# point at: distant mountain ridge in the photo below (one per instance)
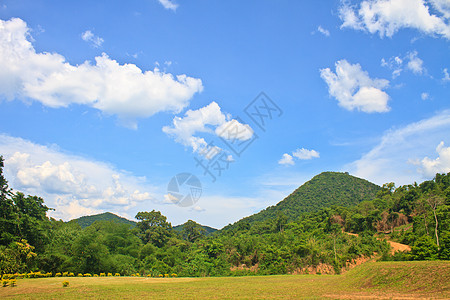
(86, 221)
(323, 190)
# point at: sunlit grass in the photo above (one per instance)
(378, 280)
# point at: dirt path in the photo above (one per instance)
(398, 247)
(394, 245)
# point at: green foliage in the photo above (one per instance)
(65, 283)
(87, 221)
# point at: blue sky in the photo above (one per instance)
(102, 104)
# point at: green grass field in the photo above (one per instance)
(389, 280)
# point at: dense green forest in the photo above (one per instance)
(308, 231)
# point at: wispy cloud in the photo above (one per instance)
(323, 31)
(395, 156)
(169, 4)
(89, 37)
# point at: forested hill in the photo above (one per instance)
(208, 230)
(107, 216)
(323, 190)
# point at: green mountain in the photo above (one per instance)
(323, 190)
(208, 229)
(88, 220)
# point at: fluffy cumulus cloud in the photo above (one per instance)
(354, 89)
(90, 37)
(441, 164)
(208, 119)
(386, 17)
(403, 154)
(286, 159)
(301, 154)
(73, 185)
(169, 4)
(115, 89)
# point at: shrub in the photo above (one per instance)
(160, 275)
(149, 275)
(80, 275)
(65, 283)
(48, 274)
(13, 283)
(117, 274)
(95, 275)
(166, 275)
(87, 275)
(109, 274)
(65, 274)
(102, 274)
(173, 275)
(58, 274)
(71, 274)
(5, 282)
(31, 275)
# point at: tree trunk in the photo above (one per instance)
(436, 228)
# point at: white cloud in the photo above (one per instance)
(386, 17)
(115, 89)
(95, 40)
(425, 96)
(208, 119)
(73, 185)
(412, 61)
(287, 159)
(305, 154)
(168, 4)
(354, 89)
(301, 154)
(415, 64)
(439, 165)
(323, 31)
(395, 157)
(446, 75)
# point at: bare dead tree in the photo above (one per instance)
(434, 201)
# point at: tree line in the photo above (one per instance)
(417, 215)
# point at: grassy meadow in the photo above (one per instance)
(397, 280)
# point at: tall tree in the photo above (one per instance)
(8, 215)
(153, 228)
(192, 231)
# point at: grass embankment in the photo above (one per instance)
(373, 280)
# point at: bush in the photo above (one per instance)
(160, 275)
(65, 283)
(58, 274)
(102, 274)
(174, 275)
(95, 275)
(65, 274)
(87, 275)
(166, 275)
(71, 274)
(117, 274)
(109, 274)
(5, 282)
(80, 275)
(13, 283)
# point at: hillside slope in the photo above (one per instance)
(323, 190)
(86, 221)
